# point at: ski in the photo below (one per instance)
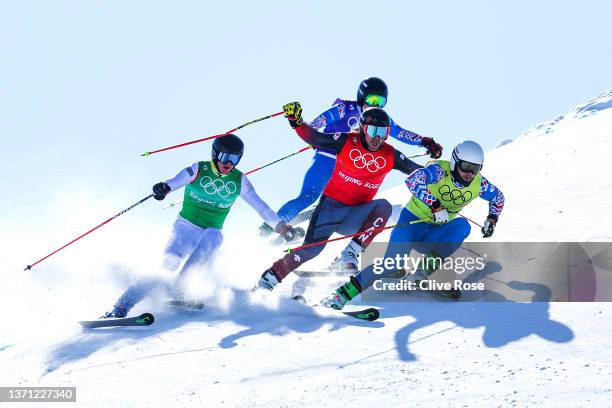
(453, 294)
(369, 314)
(144, 319)
(192, 305)
(324, 272)
(301, 217)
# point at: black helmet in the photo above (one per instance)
(371, 86)
(377, 122)
(228, 148)
(374, 117)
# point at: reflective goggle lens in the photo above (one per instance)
(375, 100)
(377, 131)
(228, 158)
(468, 167)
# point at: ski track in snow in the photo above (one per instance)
(276, 352)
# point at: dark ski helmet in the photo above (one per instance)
(228, 148)
(371, 86)
(375, 122)
(374, 117)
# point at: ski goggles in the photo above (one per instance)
(377, 131)
(468, 167)
(228, 158)
(375, 100)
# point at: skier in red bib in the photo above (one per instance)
(347, 205)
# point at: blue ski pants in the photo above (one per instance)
(314, 182)
(443, 238)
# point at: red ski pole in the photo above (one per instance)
(90, 231)
(352, 235)
(303, 149)
(211, 137)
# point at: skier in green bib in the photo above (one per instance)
(440, 191)
(211, 188)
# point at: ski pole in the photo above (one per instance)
(303, 149)
(470, 220)
(211, 137)
(90, 231)
(289, 250)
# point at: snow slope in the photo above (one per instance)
(274, 352)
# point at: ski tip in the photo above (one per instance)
(145, 319)
(369, 314)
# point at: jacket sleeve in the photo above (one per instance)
(331, 141)
(403, 164)
(405, 136)
(333, 114)
(184, 177)
(249, 195)
(494, 196)
(417, 182)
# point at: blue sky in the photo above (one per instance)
(86, 86)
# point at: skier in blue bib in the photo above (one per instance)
(343, 116)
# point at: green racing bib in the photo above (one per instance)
(208, 198)
(451, 197)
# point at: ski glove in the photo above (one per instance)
(439, 213)
(160, 190)
(440, 216)
(293, 112)
(433, 149)
(489, 226)
(286, 230)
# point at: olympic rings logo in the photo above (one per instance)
(352, 122)
(218, 187)
(367, 161)
(455, 195)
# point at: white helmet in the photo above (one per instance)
(468, 156)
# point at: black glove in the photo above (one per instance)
(433, 149)
(160, 190)
(489, 226)
(293, 112)
(287, 231)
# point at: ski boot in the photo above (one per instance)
(418, 275)
(265, 230)
(267, 281)
(299, 237)
(348, 261)
(118, 312)
(342, 295)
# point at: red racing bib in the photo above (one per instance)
(359, 172)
